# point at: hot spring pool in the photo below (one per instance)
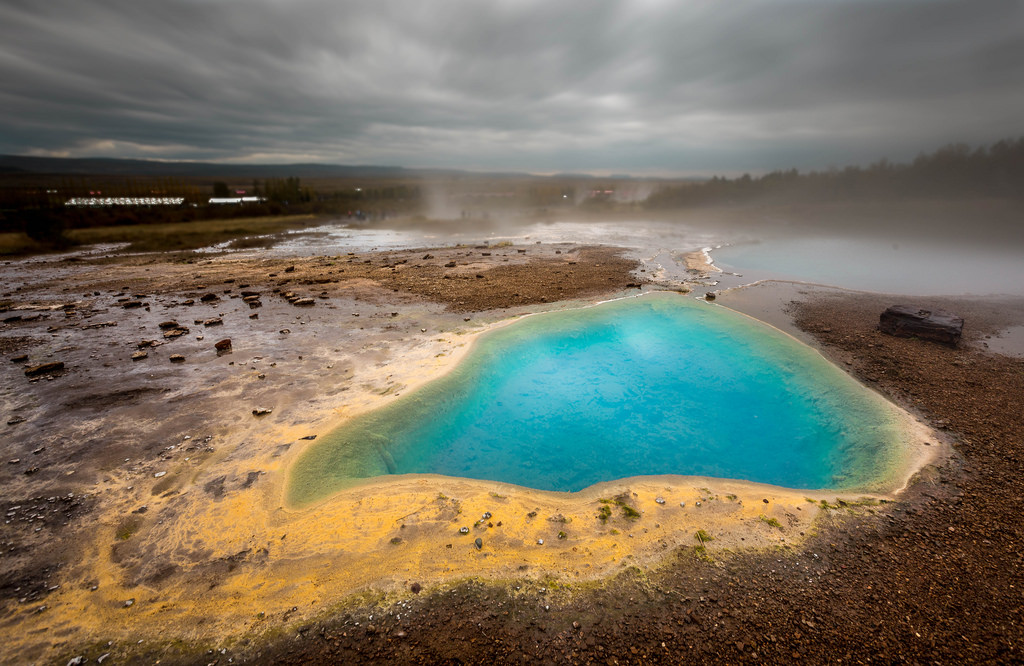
(659, 384)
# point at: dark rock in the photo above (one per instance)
(43, 369)
(206, 298)
(710, 296)
(216, 321)
(132, 304)
(139, 355)
(290, 269)
(223, 345)
(450, 264)
(908, 321)
(168, 324)
(177, 358)
(304, 302)
(479, 543)
(175, 332)
(20, 359)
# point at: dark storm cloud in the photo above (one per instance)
(582, 85)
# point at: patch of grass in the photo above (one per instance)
(605, 512)
(15, 243)
(190, 235)
(504, 243)
(703, 536)
(497, 496)
(126, 529)
(771, 521)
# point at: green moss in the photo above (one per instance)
(703, 536)
(604, 513)
(771, 521)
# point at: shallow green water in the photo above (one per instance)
(660, 384)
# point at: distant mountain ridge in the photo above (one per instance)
(103, 166)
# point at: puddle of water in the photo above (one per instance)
(653, 385)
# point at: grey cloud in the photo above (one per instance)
(581, 85)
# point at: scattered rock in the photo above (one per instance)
(906, 321)
(415, 588)
(463, 530)
(290, 269)
(659, 500)
(43, 369)
(450, 264)
(206, 298)
(710, 296)
(20, 359)
(261, 411)
(139, 355)
(177, 358)
(479, 543)
(159, 474)
(215, 321)
(168, 324)
(302, 302)
(15, 420)
(254, 315)
(223, 345)
(131, 304)
(77, 661)
(175, 333)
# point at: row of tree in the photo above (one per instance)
(955, 171)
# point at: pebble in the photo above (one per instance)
(159, 474)
(540, 542)
(463, 530)
(659, 500)
(479, 543)
(261, 411)
(177, 358)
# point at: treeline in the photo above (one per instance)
(955, 171)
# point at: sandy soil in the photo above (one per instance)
(144, 503)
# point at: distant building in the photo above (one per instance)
(125, 201)
(236, 200)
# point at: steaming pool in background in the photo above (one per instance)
(659, 384)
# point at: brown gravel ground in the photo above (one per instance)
(934, 578)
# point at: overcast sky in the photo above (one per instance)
(641, 86)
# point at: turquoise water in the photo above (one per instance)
(655, 385)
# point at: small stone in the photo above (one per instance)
(77, 661)
(44, 369)
(254, 315)
(682, 504)
(463, 530)
(540, 542)
(19, 359)
(261, 411)
(21, 419)
(175, 333)
(177, 358)
(450, 264)
(285, 331)
(479, 543)
(214, 321)
(131, 304)
(290, 269)
(223, 345)
(206, 298)
(159, 474)
(168, 325)
(710, 296)
(415, 588)
(14, 461)
(130, 602)
(304, 302)
(659, 500)
(139, 355)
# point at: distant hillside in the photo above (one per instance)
(98, 166)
